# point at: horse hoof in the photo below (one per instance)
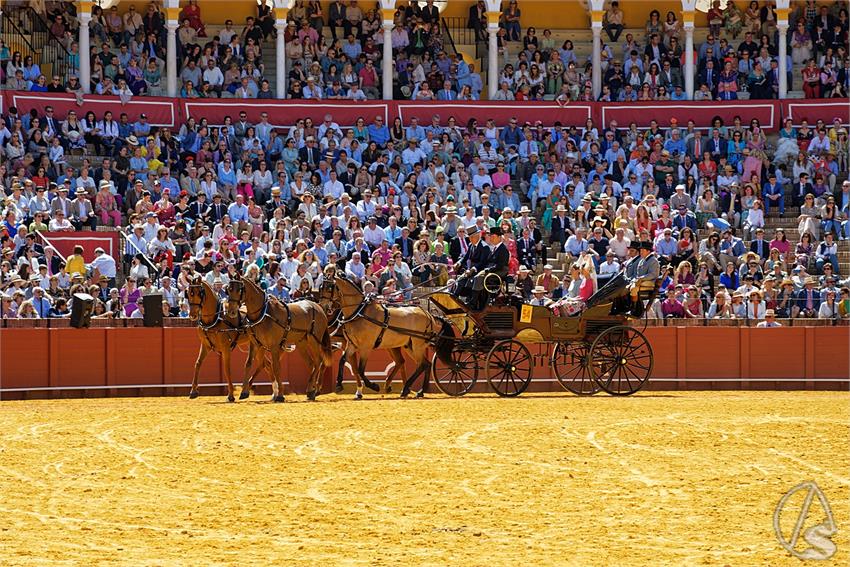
(404, 393)
(371, 385)
(278, 399)
(338, 389)
(244, 395)
(311, 396)
(358, 396)
(389, 389)
(193, 395)
(420, 394)
(231, 398)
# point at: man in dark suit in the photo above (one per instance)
(709, 76)
(760, 246)
(695, 147)
(717, 145)
(473, 261)
(526, 250)
(802, 188)
(406, 244)
(199, 209)
(217, 210)
(477, 20)
(561, 226)
(497, 264)
(310, 153)
(670, 77)
(685, 218)
(807, 301)
(655, 51)
(458, 245)
(275, 203)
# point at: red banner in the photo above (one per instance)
(814, 110)
(64, 242)
(501, 112)
(284, 113)
(702, 113)
(160, 111)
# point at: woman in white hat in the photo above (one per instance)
(585, 269)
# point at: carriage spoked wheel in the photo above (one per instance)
(571, 366)
(509, 365)
(459, 378)
(621, 360)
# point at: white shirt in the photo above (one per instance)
(105, 265)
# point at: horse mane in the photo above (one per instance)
(348, 280)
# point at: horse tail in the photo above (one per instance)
(327, 349)
(444, 345)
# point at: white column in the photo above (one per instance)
(85, 52)
(492, 59)
(387, 62)
(171, 58)
(597, 58)
(689, 60)
(280, 58)
(782, 27)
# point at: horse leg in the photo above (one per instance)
(417, 352)
(277, 385)
(311, 355)
(202, 354)
(340, 373)
(225, 357)
(398, 359)
(361, 378)
(252, 368)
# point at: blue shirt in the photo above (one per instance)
(237, 212)
(378, 135)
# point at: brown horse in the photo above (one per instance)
(369, 325)
(272, 325)
(218, 332)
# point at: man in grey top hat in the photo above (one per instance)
(647, 271)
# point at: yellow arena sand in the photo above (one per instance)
(661, 478)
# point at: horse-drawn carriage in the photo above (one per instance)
(596, 349)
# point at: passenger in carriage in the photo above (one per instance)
(632, 259)
(496, 264)
(573, 305)
(539, 297)
(647, 271)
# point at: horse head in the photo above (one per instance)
(235, 296)
(329, 295)
(196, 294)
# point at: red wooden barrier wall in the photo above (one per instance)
(45, 362)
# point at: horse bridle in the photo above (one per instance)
(202, 294)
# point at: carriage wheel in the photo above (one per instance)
(458, 379)
(509, 365)
(571, 366)
(621, 360)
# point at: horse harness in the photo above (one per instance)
(286, 328)
(210, 327)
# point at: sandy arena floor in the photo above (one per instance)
(657, 479)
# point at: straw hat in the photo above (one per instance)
(769, 313)
(538, 289)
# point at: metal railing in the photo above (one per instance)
(14, 38)
(449, 42)
(456, 26)
(50, 245)
(154, 275)
(26, 31)
(53, 49)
